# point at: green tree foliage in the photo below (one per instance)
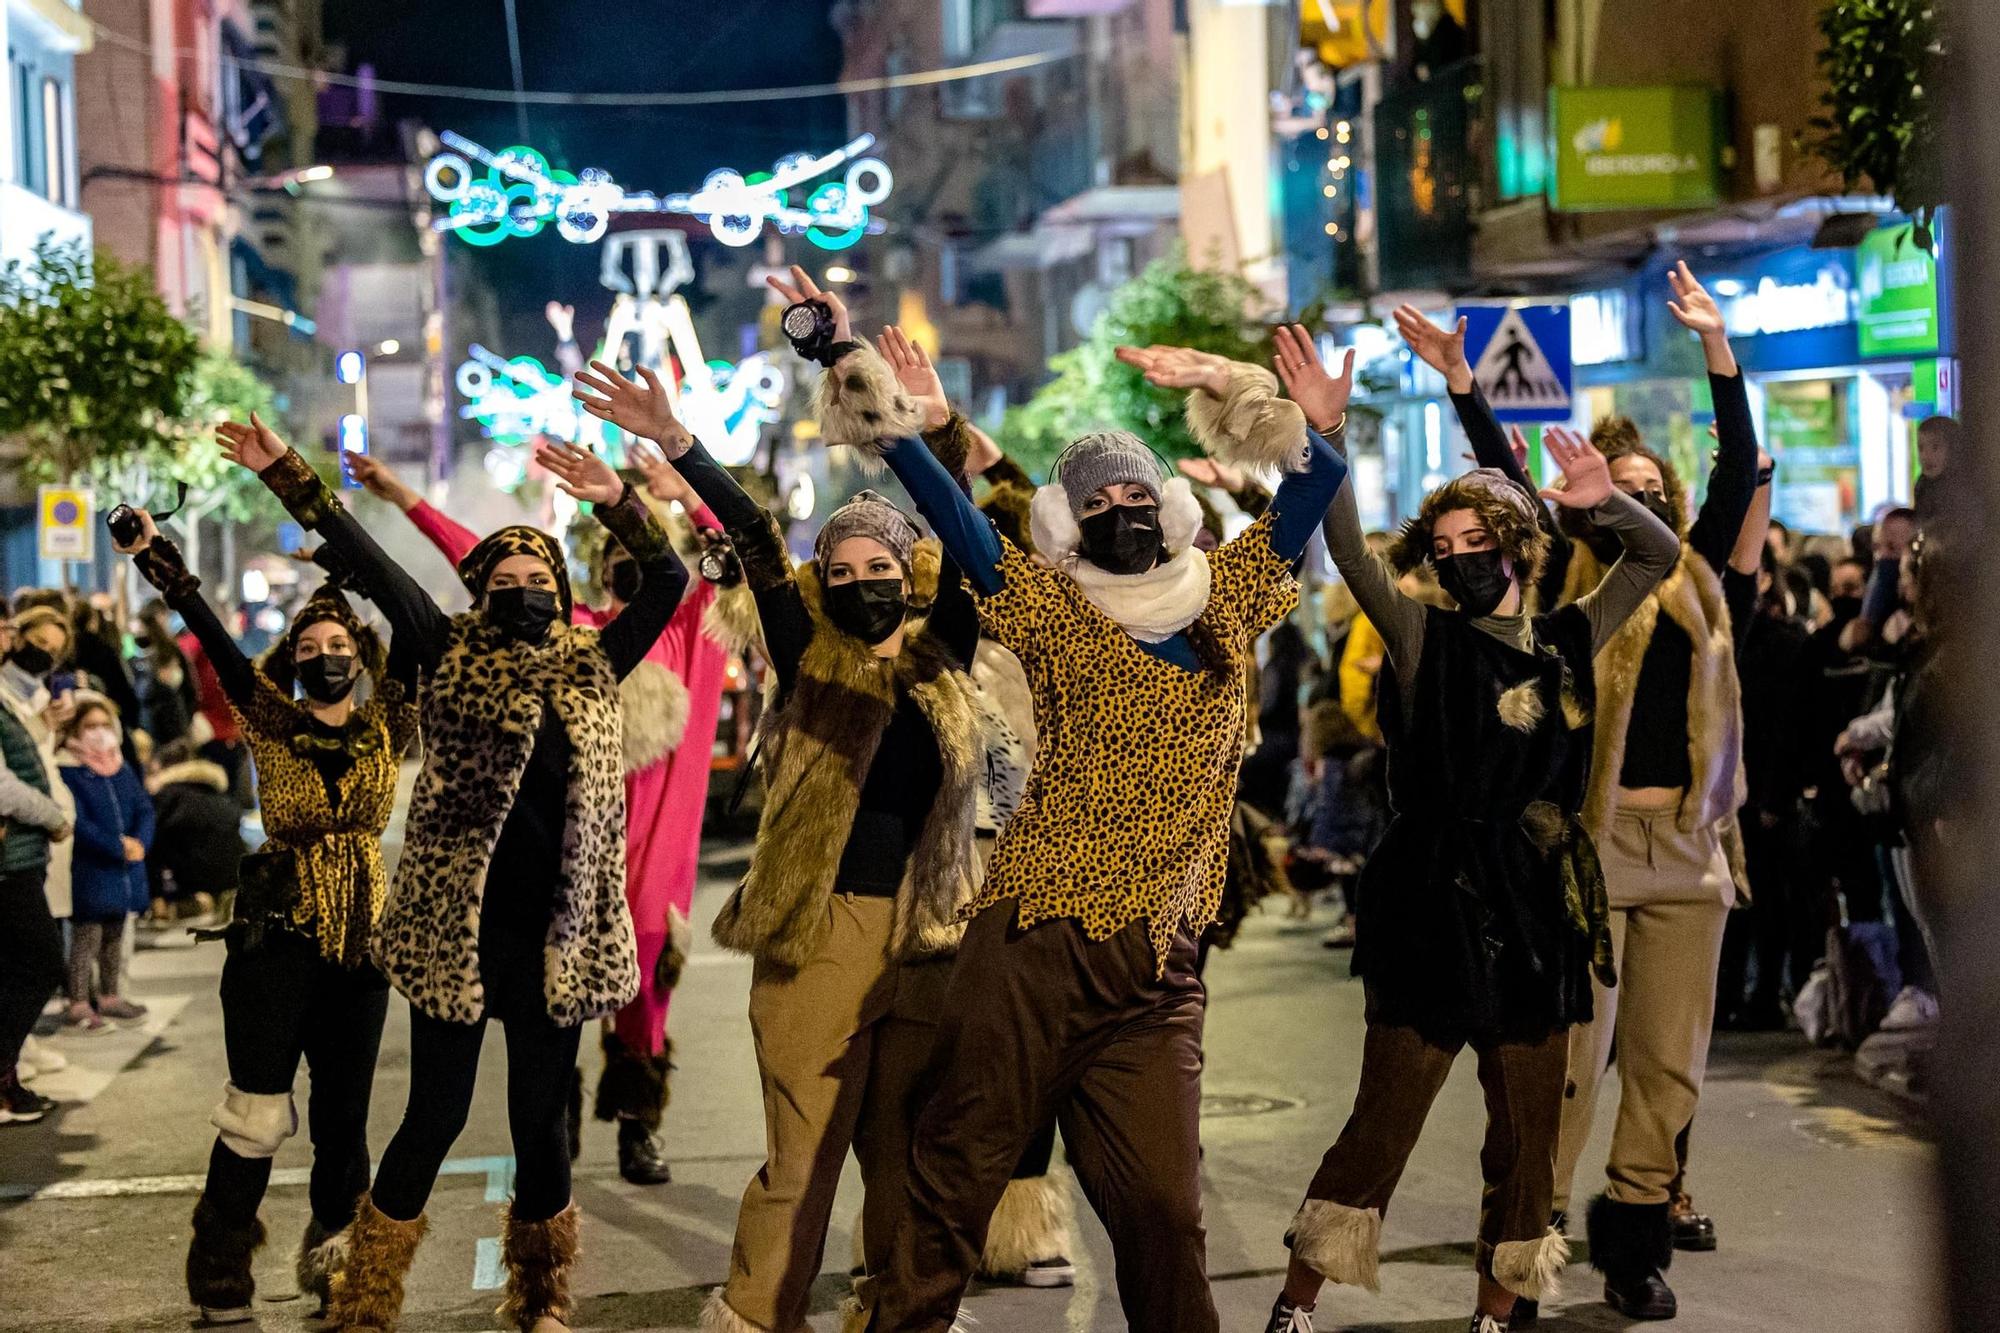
(1170, 302)
(1883, 61)
(94, 368)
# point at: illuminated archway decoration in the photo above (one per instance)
(519, 193)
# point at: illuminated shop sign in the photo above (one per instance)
(1600, 327)
(1898, 287)
(491, 196)
(1786, 302)
(1628, 148)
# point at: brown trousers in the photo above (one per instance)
(1045, 1023)
(843, 1046)
(1401, 1075)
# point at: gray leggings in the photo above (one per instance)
(99, 942)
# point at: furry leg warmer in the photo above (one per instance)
(1532, 1269)
(218, 1259)
(1340, 1243)
(632, 1086)
(718, 1317)
(321, 1255)
(860, 403)
(1628, 1239)
(539, 1258)
(368, 1292)
(1031, 1223)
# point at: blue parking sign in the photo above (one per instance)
(1520, 357)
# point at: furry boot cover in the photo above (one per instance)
(322, 1254)
(1032, 1222)
(860, 403)
(218, 1259)
(1250, 424)
(368, 1292)
(1628, 1240)
(1340, 1243)
(1532, 1269)
(539, 1257)
(718, 1317)
(632, 1086)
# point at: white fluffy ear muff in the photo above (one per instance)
(1180, 515)
(1052, 525)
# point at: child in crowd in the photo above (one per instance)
(114, 828)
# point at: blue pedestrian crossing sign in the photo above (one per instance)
(1521, 358)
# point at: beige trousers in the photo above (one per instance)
(1670, 899)
(843, 1047)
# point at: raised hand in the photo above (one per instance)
(916, 374)
(379, 481)
(1518, 442)
(255, 446)
(1323, 396)
(644, 409)
(1209, 472)
(1586, 475)
(801, 287)
(1440, 349)
(1692, 305)
(562, 318)
(663, 483)
(147, 531)
(1179, 367)
(983, 454)
(581, 474)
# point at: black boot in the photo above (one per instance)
(640, 1158)
(218, 1265)
(1632, 1245)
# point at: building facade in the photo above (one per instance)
(39, 177)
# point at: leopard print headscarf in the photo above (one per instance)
(520, 539)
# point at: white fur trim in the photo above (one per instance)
(1052, 525)
(731, 619)
(1532, 1269)
(717, 1317)
(1180, 515)
(1340, 1243)
(853, 1314)
(653, 713)
(1031, 1223)
(254, 1124)
(192, 772)
(1250, 424)
(859, 403)
(1521, 706)
(316, 1266)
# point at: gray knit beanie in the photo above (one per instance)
(1107, 458)
(868, 515)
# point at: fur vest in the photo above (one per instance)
(1691, 597)
(817, 748)
(481, 711)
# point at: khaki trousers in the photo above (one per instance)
(1670, 896)
(843, 1046)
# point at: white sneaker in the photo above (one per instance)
(1289, 1318)
(1913, 1009)
(39, 1059)
(1486, 1323)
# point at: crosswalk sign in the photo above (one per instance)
(1521, 358)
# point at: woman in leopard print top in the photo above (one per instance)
(510, 895)
(297, 983)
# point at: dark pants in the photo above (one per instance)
(1779, 926)
(282, 1002)
(1401, 1074)
(444, 1066)
(33, 964)
(1044, 1024)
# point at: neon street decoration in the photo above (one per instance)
(519, 194)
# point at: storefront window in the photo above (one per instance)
(1809, 429)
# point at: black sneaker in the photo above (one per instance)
(1289, 1318)
(18, 1106)
(1486, 1323)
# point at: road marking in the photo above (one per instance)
(493, 1168)
(97, 1058)
(486, 1271)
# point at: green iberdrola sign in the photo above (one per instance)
(1634, 148)
(1899, 295)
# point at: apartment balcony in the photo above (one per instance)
(26, 217)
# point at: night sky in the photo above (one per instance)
(663, 45)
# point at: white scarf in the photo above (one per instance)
(1154, 606)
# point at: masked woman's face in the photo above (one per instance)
(521, 571)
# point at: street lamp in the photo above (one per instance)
(351, 367)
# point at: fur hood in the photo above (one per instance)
(193, 773)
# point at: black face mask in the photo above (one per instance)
(1656, 505)
(328, 678)
(1474, 579)
(1845, 609)
(522, 613)
(869, 609)
(623, 579)
(1124, 539)
(33, 659)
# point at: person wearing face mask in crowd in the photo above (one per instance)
(668, 706)
(296, 983)
(1482, 918)
(37, 816)
(869, 752)
(509, 900)
(1666, 781)
(1075, 995)
(114, 827)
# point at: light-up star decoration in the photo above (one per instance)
(519, 194)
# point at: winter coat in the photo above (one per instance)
(104, 886)
(198, 837)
